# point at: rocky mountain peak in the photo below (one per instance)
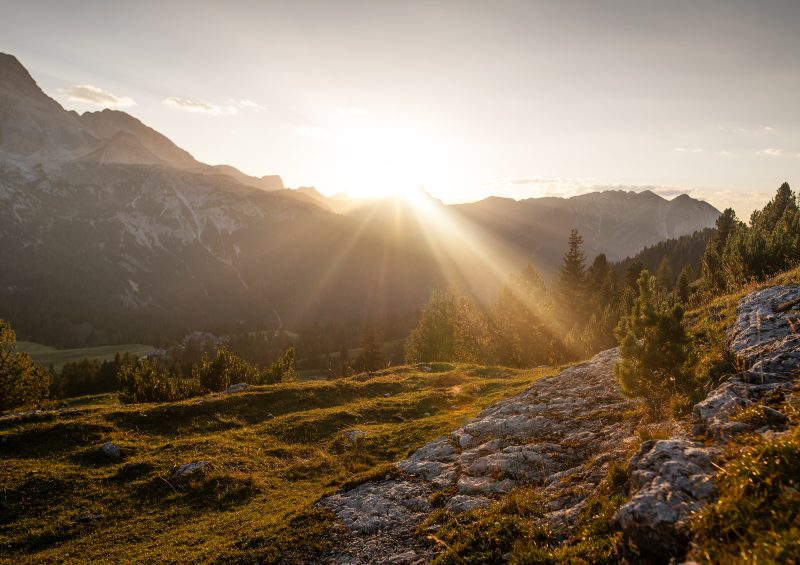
(16, 80)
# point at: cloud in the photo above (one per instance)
(685, 150)
(199, 107)
(772, 152)
(247, 103)
(91, 94)
(311, 131)
(722, 153)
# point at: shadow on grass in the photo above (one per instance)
(46, 441)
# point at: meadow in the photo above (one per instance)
(272, 450)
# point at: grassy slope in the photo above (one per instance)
(274, 451)
(757, 516)
(45, 355)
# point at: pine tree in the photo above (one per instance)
(712, 266)
(450, 329)
(21, 381)
(373, 354)
(664, 274)
(682, 288)
(521, 323)
(571, 282)
(652, 348)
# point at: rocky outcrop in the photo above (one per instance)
(560, 434)
(562, 430)
(672, 478)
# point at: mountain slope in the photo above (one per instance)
(614, 222)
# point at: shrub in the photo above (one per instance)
(147, 382)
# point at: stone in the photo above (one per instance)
(463, 503)
(238, 387)
(190, 468)
(88, 519)
(525, 440)
(354, 435)
(111, 450)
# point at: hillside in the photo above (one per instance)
(565, 471)
(272, 452)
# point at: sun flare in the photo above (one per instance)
(385, 160)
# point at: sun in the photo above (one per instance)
(380, 160)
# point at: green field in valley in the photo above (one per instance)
(45, 355)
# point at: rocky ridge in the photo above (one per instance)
(563, 431)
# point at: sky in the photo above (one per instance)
(464, 99)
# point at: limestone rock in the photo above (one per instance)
(562, 426)
(190, 468)
(238, 387)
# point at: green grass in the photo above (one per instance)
(513, 529)
(45, 355)
(757, 516)
(274, 451)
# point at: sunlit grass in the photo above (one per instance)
(274, 451)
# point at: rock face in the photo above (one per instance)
(672, 478)
(548, 435)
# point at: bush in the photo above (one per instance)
(147, 382)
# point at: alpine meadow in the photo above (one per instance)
(349, 282)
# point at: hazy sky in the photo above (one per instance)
(464, 98)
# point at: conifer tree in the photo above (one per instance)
(21, 381)
(682, 288)
(450, 329)
(521, 323)
(571, 282)
(664, 274)
(652, 348)
(373, 355)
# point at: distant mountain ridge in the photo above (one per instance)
(113, 233)
(615, 222)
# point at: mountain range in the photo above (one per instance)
(111, 232)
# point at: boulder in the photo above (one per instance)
(111, 450)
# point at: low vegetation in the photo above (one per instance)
(273, 451)
(757, 516)
(513, 529)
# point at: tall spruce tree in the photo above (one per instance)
(664, 274)
(571, 282)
